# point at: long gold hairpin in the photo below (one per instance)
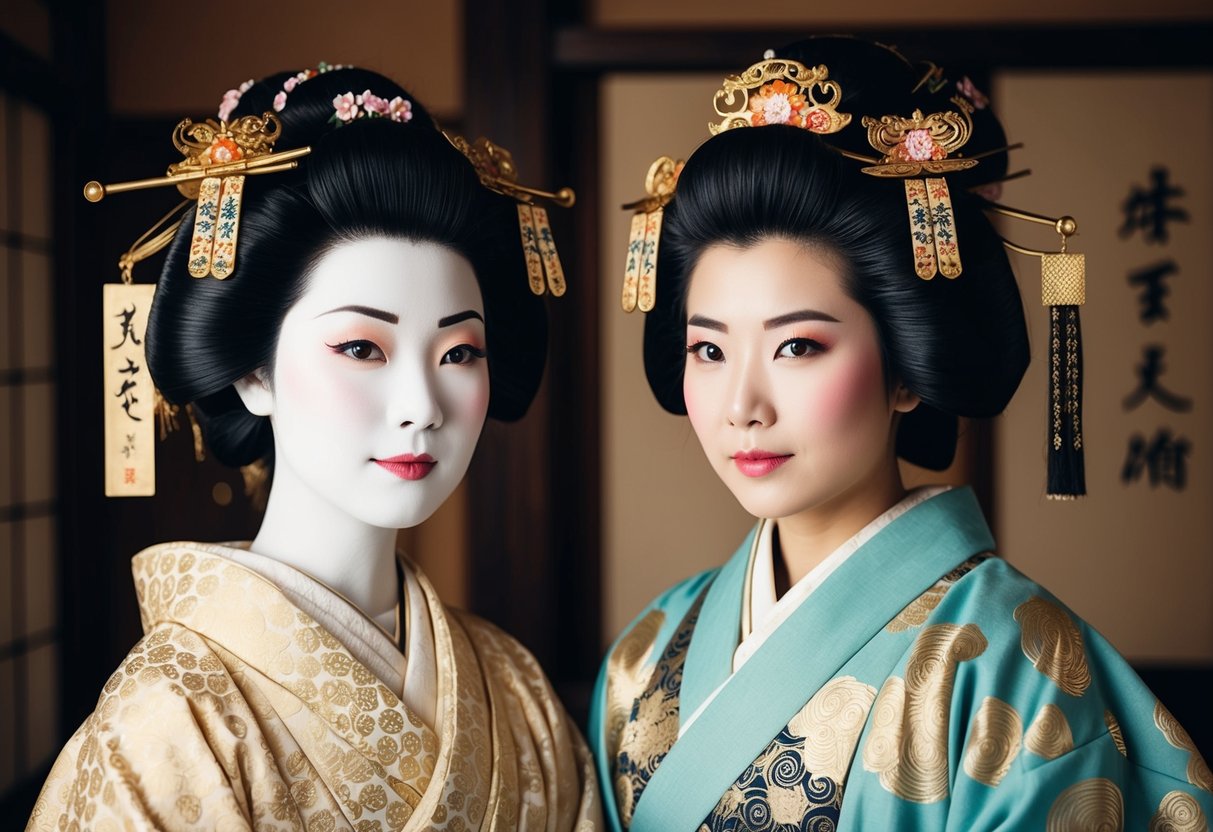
(218, 155)
(495, 167)
(911, 147)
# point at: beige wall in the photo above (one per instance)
(799, 15)
(665, 513)
(417, 42)
(1134, 560)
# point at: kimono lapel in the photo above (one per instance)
(894, 568)
(709, 660)
(464, 773)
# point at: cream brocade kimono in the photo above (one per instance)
(259, 699)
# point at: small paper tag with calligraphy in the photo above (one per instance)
(130, 456)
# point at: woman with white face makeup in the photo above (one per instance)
(311, 679)
(863, 661)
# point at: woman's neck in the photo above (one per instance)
(309, 534)
(802, 541)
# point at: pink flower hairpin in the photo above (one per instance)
(348, 107)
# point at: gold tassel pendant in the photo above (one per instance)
(922, 235)
(943, 224)
(631, 274)
(547, 248)
(530, 247)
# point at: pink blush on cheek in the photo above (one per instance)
(848, 393)
(317, 385)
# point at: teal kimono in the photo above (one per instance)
(925, 684)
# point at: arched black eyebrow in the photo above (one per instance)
(707, 323)
(369, 311)
(451, 320)
(797, 317)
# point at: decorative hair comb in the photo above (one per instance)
(924, 144)
(495, 167)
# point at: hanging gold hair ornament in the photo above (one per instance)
(640, 275)
(495, 167)
(218, 155)
(923, 144)
(1063, 289)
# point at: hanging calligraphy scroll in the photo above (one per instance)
(129, 396)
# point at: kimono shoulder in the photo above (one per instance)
(1007, 710)
(170, 742)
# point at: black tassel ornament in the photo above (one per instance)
(1063, 290)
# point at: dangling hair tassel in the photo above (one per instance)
(1067, 475)
(1063, 290)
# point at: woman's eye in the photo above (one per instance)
(359, 350)
(706, 351)
(798, 348)
(462, 354)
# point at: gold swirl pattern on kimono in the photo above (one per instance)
(1179, 812)
(1198, 770)
(1053, 643)
(626, 676)
(908, 742)
(652, 725)
(1049, 736)
(831, 723)
(917, 611)
(994, 740)
(1118, 736)
(1093, 805)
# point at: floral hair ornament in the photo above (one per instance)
(775, 91)
(914, 146)
(772, 91)
(348, 107)
(495, 167)
(288, 86)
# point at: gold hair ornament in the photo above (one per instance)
(640, 275)
(1063, 290)
(772, 91)
(775, 91)
(922, 144)
(495, 167)
(217, 157)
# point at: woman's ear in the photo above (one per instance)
(903, 400)
(254, 391)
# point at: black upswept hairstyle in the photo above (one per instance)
(372, 177)
(961, 345)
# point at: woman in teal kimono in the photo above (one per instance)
(864, 660)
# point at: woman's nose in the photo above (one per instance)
(749, 399)
(414, 400)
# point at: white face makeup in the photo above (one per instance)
(380, 386)
(784, 384)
